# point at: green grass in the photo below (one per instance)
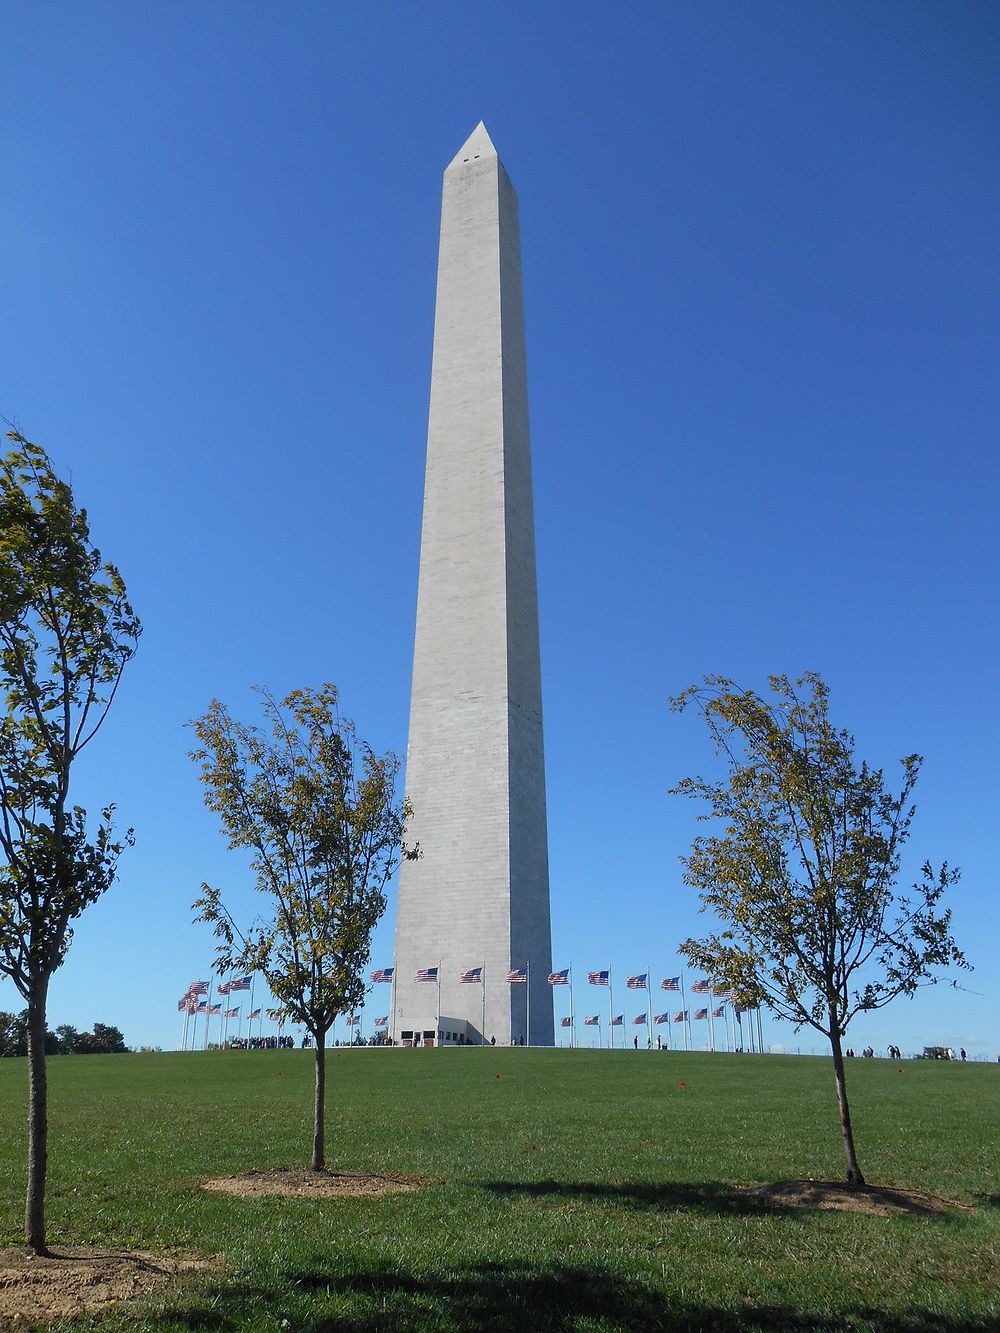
(578, 1191)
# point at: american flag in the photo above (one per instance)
(637, 983)
(183, 1004)
(718, 1013)
(382, 974)
(598, 978)
(618, 1022)
(352, 1020)
(276, 1015)
(701, 987)
(670, 983)
(700, 1013)
(240, 983)
(680, 1016)
(198, 988)
(382, 1022)
(566, 1022)
(639, 1018)
(215, 1008)
(233, 1013)
(739, 1014)
(223, 988)
(517, 974)
(427, 974)
(471, 974)
(202, 1007)
(559, 978)
(661, 1018)
(254, 1013)
(592, 1022)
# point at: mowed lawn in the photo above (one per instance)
(569, 1190)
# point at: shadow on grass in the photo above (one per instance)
(510, 1298)
(671, 1197)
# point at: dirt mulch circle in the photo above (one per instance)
(303, 1184)
(77, 1281)
(875, 1200)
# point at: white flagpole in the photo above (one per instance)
(527, 1003)
(572, 1011)
(711, 1019)
(392, 1005)
(253, 982)
(184, 1026)
(649, 1007)
(437, 1021)
(684, 1013)
(482, 978)
(208, 1015)
(611, 1013)
(760, 1032)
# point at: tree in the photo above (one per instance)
(317, 809)
(803, 874)
(66, 632)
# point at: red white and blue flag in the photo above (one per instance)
(202, 1008)
(680, 1016)
(592, 1022)
(382, 974)
(618, 1022)
(471, 974)
(233, 1013)
(182, 1004)
(427, 974)
(382, 1022)
(700, 1013)
(198, 988)
(639, 1018)
(222, 988)
(566, 1022)
(353, 1020)
(215, 1008)
(559, 978)
(701, 987)
(254, 1013)
(598, 978)
(719, 1013)
(637, 983)
(661, 1018)
(670, 983)
(516, 975)
(240, 983)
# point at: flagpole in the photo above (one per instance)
(684, 1013)
(184, 1027)
(572, 1012)
(649, 1007)
(392, 1004)
(711, 1019)
(760, 1032)
(527, 1002)
(482, 978)
(437, 1021)
(611, 1013)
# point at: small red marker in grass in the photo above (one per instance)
(498, 1075)
(683, 1084)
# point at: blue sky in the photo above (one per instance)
(761, 274)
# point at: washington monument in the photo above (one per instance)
(478, 897)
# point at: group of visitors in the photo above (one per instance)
(261, 1043)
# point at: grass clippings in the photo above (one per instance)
(74, 1281)
(301, 1184)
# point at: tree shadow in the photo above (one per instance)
(988, 1200)
(511, 1298)
(710, 1196)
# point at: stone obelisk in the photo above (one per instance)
(479, 894)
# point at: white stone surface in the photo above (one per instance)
(475, 771)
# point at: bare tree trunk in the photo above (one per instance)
(854, 1176)
(318, 1157)
(38, 1127)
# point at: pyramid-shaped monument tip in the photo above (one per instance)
(477, 145)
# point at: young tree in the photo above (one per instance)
(803, 873)
(66, 633)
(317, 809)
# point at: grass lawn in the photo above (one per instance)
(579, 1190)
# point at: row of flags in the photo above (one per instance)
(518, 975)
(681, 1016)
